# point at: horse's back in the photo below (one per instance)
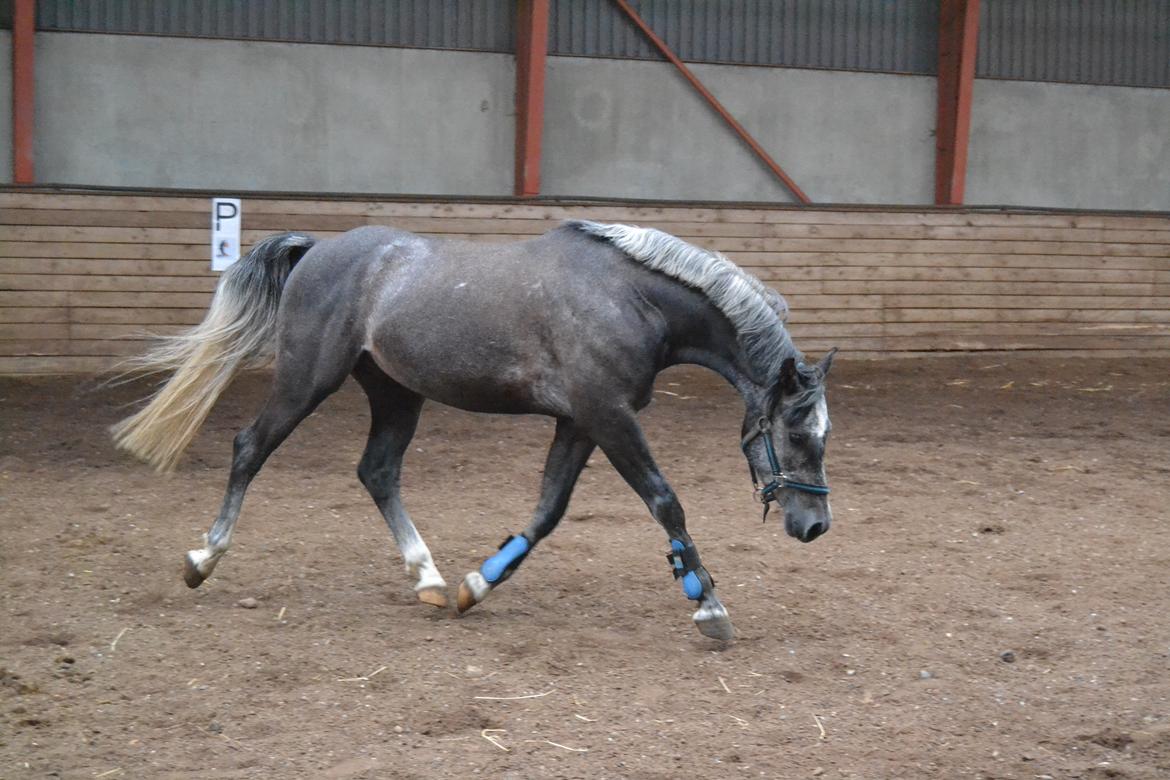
(510, 327)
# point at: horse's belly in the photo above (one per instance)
(473, 337)
(469, 382)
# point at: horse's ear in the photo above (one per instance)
(789, 381)
(826, 362)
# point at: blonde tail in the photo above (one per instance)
(238, 332)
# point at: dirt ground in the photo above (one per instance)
(992, 600)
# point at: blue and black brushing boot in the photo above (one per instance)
(496, 569)
(500, 566)
(685, 565)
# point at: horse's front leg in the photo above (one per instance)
(566, 458)
(624, 444)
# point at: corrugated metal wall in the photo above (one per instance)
(868, 35)
(1122, 42)
(1079, 41)
(865, 35)
(482, 25)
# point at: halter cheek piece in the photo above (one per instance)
(767, 493)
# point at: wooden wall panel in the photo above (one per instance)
(85, 277)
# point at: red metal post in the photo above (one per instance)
(531, 51)
(958, 33)
(24, 16)
(739, 129)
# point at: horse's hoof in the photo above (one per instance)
(436, 597)
(472, 590)
(466, 598)
(715, 623)
(191, 574)
(717, 628)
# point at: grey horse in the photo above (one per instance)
(574, 324)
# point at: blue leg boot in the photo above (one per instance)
(477, 584)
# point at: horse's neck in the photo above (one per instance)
(699, 334)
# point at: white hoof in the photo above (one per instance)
(714, 622)
(436, 597)
(198, 565)
(432, 590)
(472, 590)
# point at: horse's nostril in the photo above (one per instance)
(813, 531)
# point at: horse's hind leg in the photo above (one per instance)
(566, 457)
(291, 400)
(394, 412)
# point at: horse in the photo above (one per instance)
(574, 324)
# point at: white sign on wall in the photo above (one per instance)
(225, 232)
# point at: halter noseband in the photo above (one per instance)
(767, 493)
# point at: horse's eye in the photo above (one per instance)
(797, 438)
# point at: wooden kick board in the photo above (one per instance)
(86, 277)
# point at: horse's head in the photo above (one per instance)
(784, 438)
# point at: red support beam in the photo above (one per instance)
(739, 129)
(958, 33)
(531, 51)
(24, 18)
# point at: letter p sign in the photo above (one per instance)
(225, 232)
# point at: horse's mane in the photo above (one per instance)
(757, 312)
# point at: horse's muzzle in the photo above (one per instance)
(805, 531)
(813, 531)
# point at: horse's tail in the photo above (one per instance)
(239, 331)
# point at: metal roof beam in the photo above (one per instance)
(24, 20)
(531, 52)
(958, 33)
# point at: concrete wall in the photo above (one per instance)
(638, 130)
(5, 107)
(165, 112)
(1064, 145)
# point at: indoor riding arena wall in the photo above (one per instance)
(85, 277)
(282, 117)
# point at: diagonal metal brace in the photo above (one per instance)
(739, 129)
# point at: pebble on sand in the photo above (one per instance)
(248, 603)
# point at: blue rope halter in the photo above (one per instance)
(767, 493)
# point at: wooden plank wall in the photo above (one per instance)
(83, 277)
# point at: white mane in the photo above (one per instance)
(757, 312)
